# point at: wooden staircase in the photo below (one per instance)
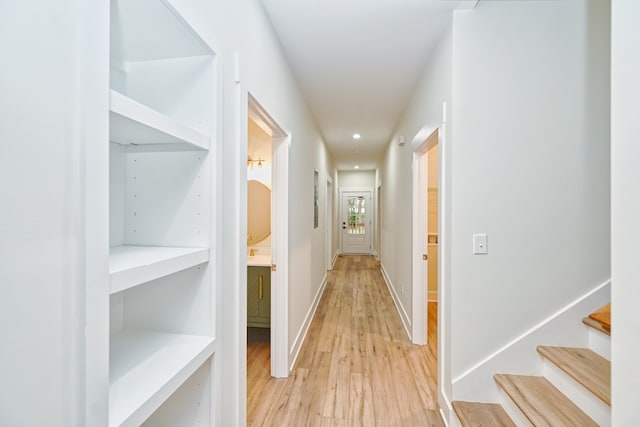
(540, 401)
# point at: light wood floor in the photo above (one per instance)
(356, 367)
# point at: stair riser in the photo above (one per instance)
(453, 421)
(599, 411)
(512, 409)
(600, 343)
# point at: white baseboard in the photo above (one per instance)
(519, 356)
(447, 413)
(432, 296)
(302, 333)
(375, 254)
(335, 257)
(406, 322)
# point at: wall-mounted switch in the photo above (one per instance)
(480, 244)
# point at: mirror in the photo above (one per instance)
(258, 212)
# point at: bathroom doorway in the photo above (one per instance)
(259, 200)
(267, 240)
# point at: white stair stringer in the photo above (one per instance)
(563, 328)
(595, 408)
(600, 342)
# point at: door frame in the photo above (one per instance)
(423, 142)
(328, 227)
(371, 216)
(280, 236)
(378, 235)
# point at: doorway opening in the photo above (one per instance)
(356, 221)
(377, 246)
(425, 237)
(328, 237)
(259, 237)
(267, 239)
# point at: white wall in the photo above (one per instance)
(53, 128)
(625, 207)
(365, 178)
(526, 155)
(530, 164)
(241, 28)
(425, 111)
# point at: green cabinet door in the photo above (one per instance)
(259, 297)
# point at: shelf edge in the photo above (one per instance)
(147, 117)
(143, 273)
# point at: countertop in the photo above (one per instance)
(259, 261)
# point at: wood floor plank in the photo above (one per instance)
(588, 368)
(476, 414)
(337, 393)
(312, 415)
(386, 408)
(290, 409)
(542, 403)
(356, 366)
(435, 420)
(358, 346)
(258, 413)
(427, 386)
(368, 413)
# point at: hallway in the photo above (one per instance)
(356, 366)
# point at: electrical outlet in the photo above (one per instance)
(480, 244)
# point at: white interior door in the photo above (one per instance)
(356, 222)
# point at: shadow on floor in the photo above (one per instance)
(259, 334)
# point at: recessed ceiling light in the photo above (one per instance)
(356, 136)
(356, 167)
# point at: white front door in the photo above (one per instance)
(356, 222)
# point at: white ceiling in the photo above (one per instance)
(357, 63)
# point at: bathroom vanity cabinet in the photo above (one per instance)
(259, 297)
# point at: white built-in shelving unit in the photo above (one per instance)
(162, 218)
(135, 123)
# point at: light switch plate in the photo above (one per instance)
(480, 244)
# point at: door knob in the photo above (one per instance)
(425, 257)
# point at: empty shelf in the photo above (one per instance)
(146, 368)
(130, 266)
(134, 123)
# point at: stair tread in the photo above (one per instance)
(587, 367)
(477, 414)
(595, 325)
(541, 402)
(603, 316)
